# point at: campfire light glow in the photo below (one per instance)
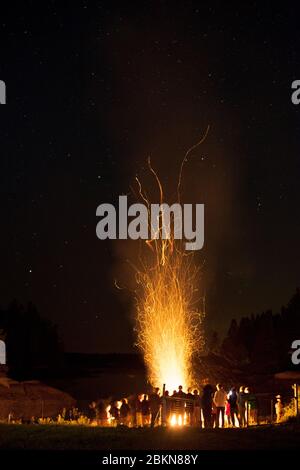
(168, 321)
(178, 420)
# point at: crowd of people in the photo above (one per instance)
(213, 407)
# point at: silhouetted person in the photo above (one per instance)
(241, 403)
(114, 413)
(197, 409)
(145, 411)
(154, 402)
(92, 414)
(173, 402)
(251, 401)
(124, 413)
(213, 415)
(232, 400)
(206, 405)
(189, 406)
(167, 403)
(180, 393)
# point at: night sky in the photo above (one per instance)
(93, 88)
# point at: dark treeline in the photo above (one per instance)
(264, 340)
(260, 342)
(32, 343)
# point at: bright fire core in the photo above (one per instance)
(168, 322)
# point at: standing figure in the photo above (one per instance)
(232, 399)
(241, 402)
(189, 406)
(167, 407)
(206, 405)
(114, 413)
(124, 413)
(197, 409)
(92, 414)
(154, 403)
(145, 411)
(220, 398)
(278, 409)
(251, 403)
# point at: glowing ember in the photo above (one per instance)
(168, 325)
(168, 322)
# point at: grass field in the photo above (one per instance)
(53, 437)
